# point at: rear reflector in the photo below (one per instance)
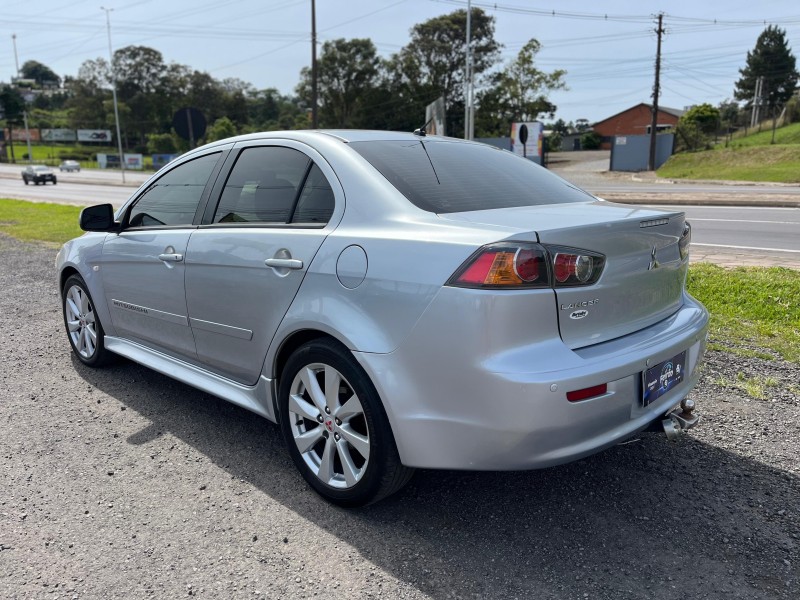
(590, 392)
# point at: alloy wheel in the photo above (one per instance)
(81, 322)
(328, 426)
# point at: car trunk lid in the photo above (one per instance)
(643, 277)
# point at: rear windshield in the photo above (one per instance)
(445, 177)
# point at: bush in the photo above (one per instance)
(590, 141)
(160, 143)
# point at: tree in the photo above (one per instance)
(221, 128)
(433, 63)
(138, 69)
(346, 71)
(729, 114)
(42, 74)
(525, 88)
(13, 105)
(85, 104)
(161, 143)
(520, 93)
(773, 60)
(561, 127)
(704, 116)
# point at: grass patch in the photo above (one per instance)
(40, 222)
(753, 309)
(778, 163)
(789, 134)
(755, 387)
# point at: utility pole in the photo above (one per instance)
(314, 123)
(114, 92)
(468, 78)
(651, 164)
(24, 110)
(755, 114)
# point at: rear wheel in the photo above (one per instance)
(84, 330)
(336, 428)
(25, 179)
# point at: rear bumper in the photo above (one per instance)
(459, 399)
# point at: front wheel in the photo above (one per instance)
(54, 180)
(336, 428)
(25, 179)
(84, 330)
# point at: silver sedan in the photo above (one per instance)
(394, 301)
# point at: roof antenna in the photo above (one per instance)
(421, 131)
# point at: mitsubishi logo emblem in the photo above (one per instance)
(653, 262)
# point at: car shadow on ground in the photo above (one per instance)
(645, 519)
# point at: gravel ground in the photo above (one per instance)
(122, 483)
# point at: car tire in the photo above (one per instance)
(342, 442)
(84, 330)
(25, 179)
(55, 180)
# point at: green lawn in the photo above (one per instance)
(34, 221)
(790, 134)
(778, 163)
(754, 311)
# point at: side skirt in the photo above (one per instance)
(257, 398)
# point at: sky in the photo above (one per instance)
(608, 47)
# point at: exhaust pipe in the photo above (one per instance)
(679, 420)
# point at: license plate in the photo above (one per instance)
(661, 378)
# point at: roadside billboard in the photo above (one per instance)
(102, 136)
(18, 135)
(133, 162)
(59, 135)
(526, 140)
(435, 117)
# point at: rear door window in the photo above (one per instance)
(444, 177)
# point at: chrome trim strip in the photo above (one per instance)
(257, 398)
(151, 312)
(237, 332)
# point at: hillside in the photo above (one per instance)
(750, 158)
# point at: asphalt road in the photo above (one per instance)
(759, 229)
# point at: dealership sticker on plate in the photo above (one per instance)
(661, 378)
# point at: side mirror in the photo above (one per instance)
(98, 218)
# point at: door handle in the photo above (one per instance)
(171, 257)
(284, 263)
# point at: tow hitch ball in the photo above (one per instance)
(680, 419)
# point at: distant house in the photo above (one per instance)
(636, 120)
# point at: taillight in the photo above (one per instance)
(528, 265)
(513, 265)
(686, 239)
(573, 267)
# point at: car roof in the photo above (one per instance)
(345, 135)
